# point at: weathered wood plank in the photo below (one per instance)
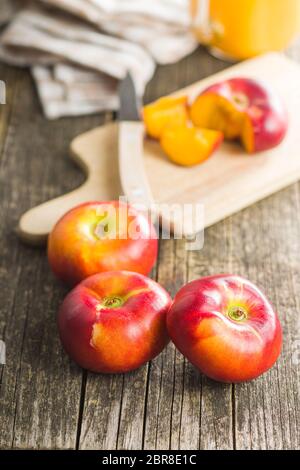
(130, 433)
(40, 389)
(187, 381)
(267, 410)
(184, 409)
(216, 419)
(169, 78)
(267, 251)
(163, 412)
(8, 76)
(114, 407)
(7, 280)
(101, 413)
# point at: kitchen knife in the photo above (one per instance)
(131, 139)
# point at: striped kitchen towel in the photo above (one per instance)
(79, 49)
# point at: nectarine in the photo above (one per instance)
(187, 145)
(226, 327)
(163, 112)
(245, 109)
(114, 322)
(101, 236)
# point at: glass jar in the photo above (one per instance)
(239, 29)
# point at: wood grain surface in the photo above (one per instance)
(46, 401)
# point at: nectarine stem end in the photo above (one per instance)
(237, 313)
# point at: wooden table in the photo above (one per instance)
(46, 401)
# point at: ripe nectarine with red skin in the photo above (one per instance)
(101, 236)
(245, 109)
(226, 327)
(114, 321)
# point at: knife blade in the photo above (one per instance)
(133, 176)
(130, 102)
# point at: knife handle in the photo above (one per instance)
(133, 176)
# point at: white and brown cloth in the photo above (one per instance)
(78, 50)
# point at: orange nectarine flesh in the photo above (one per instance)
(247, 136)
(163, 112)
(187, 145)
(215, 112)
(243, 109)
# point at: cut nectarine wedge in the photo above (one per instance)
(187, 145)
(244, 109)
(164, 111)
(216, 112)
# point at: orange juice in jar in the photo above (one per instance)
(240, 29)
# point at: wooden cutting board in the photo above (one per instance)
(226, 183)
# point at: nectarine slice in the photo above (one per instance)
(164, 111)
(216, 112)
(244, 109)
(187, 145)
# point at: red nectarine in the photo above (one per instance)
(114, 321)
(101, 236)
(226, 327)
(242, 108)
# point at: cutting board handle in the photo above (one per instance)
(35, 224)
(96, 153)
